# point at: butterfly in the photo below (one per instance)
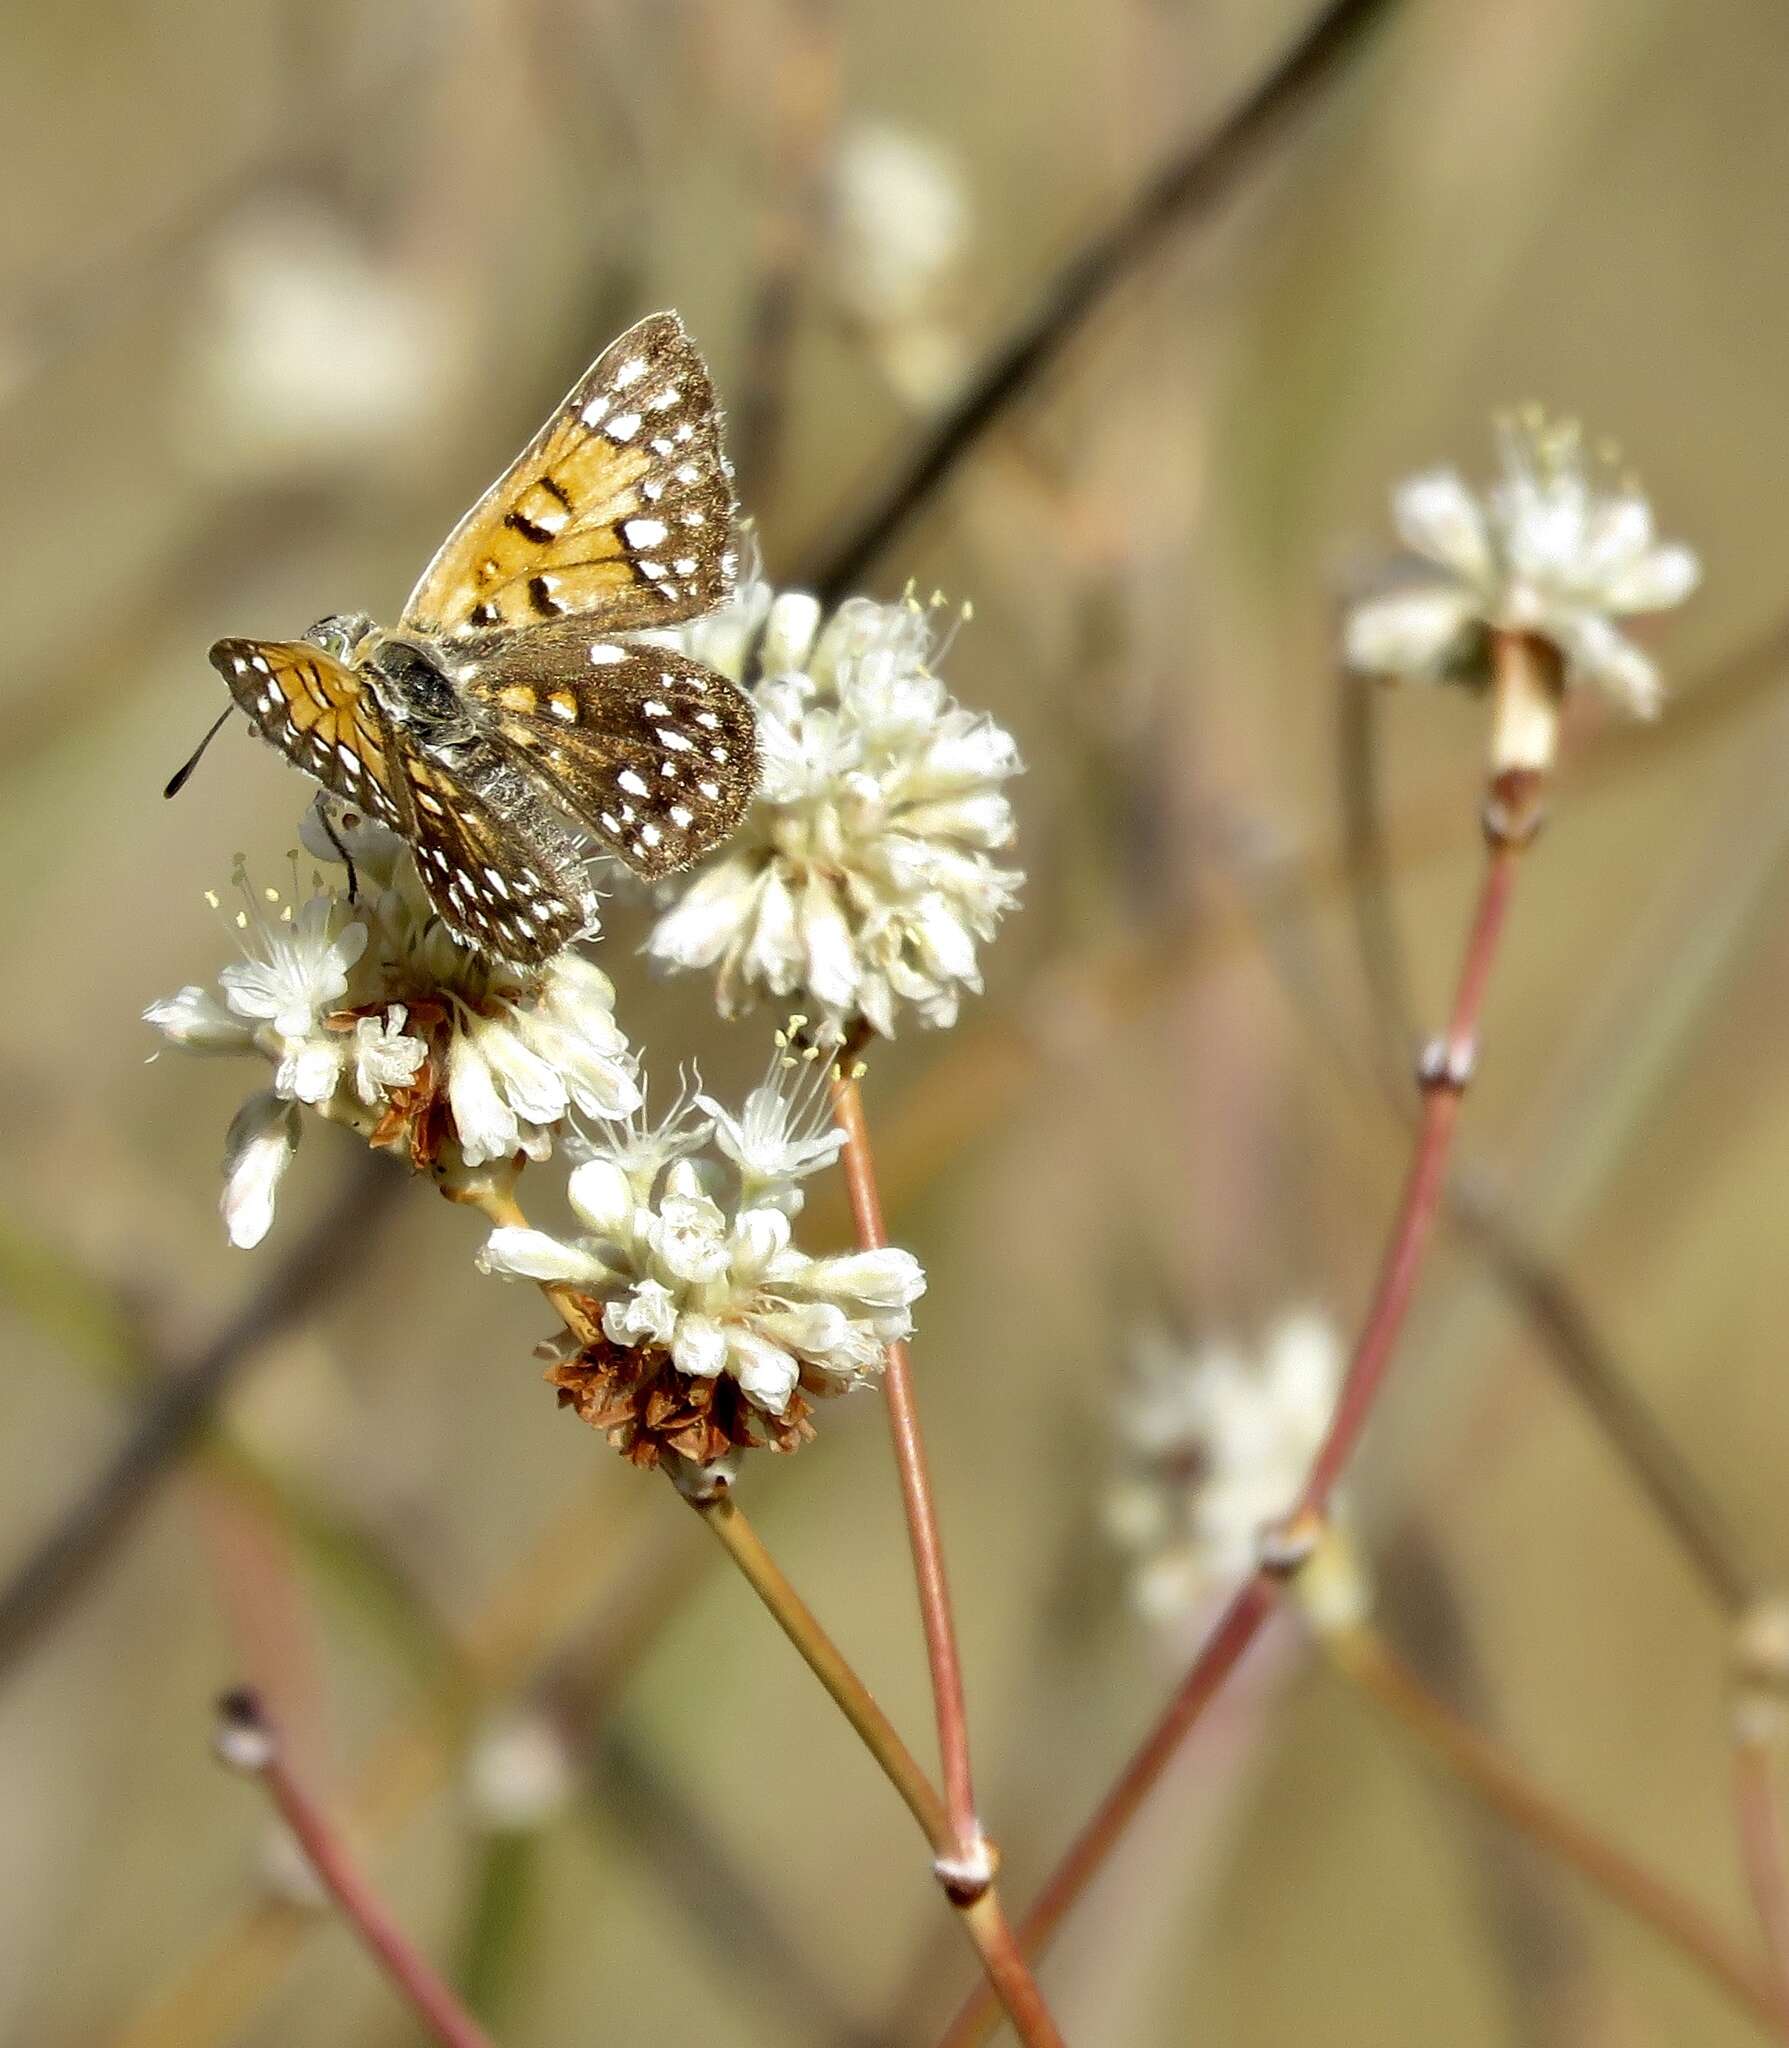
(505, 707)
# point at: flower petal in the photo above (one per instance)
(515, 1254)
(262, 1139)
(1440, 518)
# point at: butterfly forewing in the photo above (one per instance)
(319, 714)
(644, 746)
(504, 874)
(620, 509)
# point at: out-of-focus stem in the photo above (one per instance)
(1758, 1812)
(1502, 1785)
(247, 1741)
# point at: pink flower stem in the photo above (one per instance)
(247, 1741)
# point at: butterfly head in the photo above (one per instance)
(341, 634)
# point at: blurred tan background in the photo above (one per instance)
(283, 286)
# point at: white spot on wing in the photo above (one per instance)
(623, 427)
(644, 533)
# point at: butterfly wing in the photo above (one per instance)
(504, 874)
(319, 714)
(620, 508)
(647, 749)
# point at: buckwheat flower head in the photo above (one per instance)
(1558, 547)
(713, 1331)
(1214, 1448)
(861, 881)
(371, 1013)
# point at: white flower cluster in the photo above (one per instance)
(1215, 1447)
(861, 880)
(370, 1012)
(1546, 550)
(713, 1322)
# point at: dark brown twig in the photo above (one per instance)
(1201, 175)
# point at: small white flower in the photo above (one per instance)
(1215, 1448)
(384, 1058)
(900, 219)
(520, 1775)
(861, 880)
(785, 1131)
(700, 1289)
(308, 350)
(369, 1011)
(196, 1021)
(259, 1148)
(296, 972)
(900, 231)
(1549, 549)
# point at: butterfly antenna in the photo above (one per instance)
(177, 781)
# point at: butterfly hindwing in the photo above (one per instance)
(320, 715)
(620, 509)
(504, 874)
(642, 745)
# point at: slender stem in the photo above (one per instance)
(1758, 1812)
(822, 1656)
(1222, 1651)
(1446, 1069)
(1007, 1970)
(1502, 1785)
(979, 1909)
(1576, 1349)
(963, 1862)
(916, 1497)
(247, 1741)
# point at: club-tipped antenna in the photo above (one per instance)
(177, 781)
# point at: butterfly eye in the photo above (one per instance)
(340, 633)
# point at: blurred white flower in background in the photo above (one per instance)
(520, 1774)
(1557, 547)
(372, 1013)
(307, 351)
(900, 231)
(716, 1329)
(1214, 1448)
(861, 881)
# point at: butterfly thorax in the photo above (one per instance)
(416, 696)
